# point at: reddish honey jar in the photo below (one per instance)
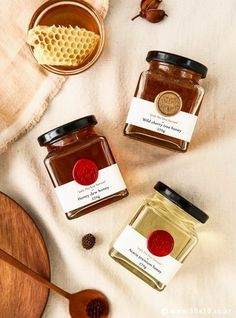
(167, 101)
(82, 168)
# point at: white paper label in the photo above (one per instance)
(144, 114)
(133, 246)
(72, 195)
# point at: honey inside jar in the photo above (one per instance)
(71, 14)
(167, 101)
(82, 168)
(159, 237)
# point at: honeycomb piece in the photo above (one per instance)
(60, 45)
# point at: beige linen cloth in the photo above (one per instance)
(26, 88)
(206, 174)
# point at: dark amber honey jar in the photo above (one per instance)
(82, 168)
(167, 101)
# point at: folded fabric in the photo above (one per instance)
(26, 89)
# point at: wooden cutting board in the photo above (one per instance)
(21, 297)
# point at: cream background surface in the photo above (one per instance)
(206, 174)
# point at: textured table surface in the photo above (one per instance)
(206, 174)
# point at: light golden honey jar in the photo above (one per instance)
(159, 237)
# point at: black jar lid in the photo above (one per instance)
(68, 128)
(178, 60)
(181, 202)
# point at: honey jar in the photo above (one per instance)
(159, 237)
(82, 167)
(167, 101)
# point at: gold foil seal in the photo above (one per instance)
(169, 103)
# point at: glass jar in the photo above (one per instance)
(71, 13)
(159, 237)
(167, 101)
(82, 167)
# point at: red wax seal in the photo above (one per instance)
(160, 243)
(85, 172)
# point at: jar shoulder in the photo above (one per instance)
(160, 76)
(157, 212)
(75, 146)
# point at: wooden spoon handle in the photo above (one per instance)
(23, 268)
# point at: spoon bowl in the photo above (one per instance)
(80, 301)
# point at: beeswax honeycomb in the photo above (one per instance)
(60, 45)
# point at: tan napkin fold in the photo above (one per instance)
(25, 88)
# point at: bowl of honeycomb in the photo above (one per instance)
(66, 37)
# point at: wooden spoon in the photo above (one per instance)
(78, 302)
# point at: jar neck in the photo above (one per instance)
(174, 71)
(172, 211)
(77, 136)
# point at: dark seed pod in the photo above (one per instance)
(155, 16)
(149, 4)
(150, 11)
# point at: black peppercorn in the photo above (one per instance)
(88, 241)
(95, 308)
